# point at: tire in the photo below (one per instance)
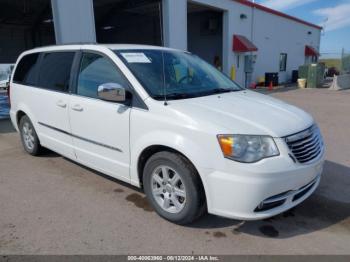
(183, 188)
(29, 138)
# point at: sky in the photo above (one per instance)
(332, 15)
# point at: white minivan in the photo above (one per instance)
(170, 123)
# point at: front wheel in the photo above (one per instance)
(173, 187)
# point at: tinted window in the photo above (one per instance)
(26, 70)
(94, 71)
(55, 71)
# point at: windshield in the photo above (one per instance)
(175, 74)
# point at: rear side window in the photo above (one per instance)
(26, 70)
(55, 71)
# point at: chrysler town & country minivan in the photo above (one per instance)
(170, 123)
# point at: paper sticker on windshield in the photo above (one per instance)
(136, 58)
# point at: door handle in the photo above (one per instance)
(62, 104)
(77, 108)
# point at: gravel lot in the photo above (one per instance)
(50, 205)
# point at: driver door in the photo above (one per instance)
(100, 128)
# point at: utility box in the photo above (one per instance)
(271, 78)
(303, 71)
(313, 73)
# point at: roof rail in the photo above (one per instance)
(65, 44)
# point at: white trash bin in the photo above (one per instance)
(302, 83)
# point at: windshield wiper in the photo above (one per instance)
(174, 96)
(221, 90)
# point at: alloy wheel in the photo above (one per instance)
(168, 189)
(28, 136)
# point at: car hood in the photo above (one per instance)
(245, 112)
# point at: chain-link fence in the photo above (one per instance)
(345, 62)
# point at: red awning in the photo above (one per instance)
(242, 44)
(310, 51)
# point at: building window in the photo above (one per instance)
(283, 62)
(237, 61)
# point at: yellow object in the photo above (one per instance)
(226, 144)
(233, 73)
(261, 79)
(301, 82)
(177, 74)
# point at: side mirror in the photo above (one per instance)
(112, 92)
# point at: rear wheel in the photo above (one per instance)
(173, 187)
(30, 140)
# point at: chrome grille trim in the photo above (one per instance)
(293, 195)
(313, 148)
(312, 145)
(305, 142)
(306, 145)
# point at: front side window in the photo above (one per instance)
(96, 70)
(283, 62)
(55, 71)
(26, 70)
(175, 74)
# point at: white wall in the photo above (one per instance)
(272, 35)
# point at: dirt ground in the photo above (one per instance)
(50, 205)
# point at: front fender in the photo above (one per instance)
(161, 138)
(176, 141)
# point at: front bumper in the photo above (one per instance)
(260, 190)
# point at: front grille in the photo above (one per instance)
(306, 145)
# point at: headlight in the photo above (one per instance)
(247, 148)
